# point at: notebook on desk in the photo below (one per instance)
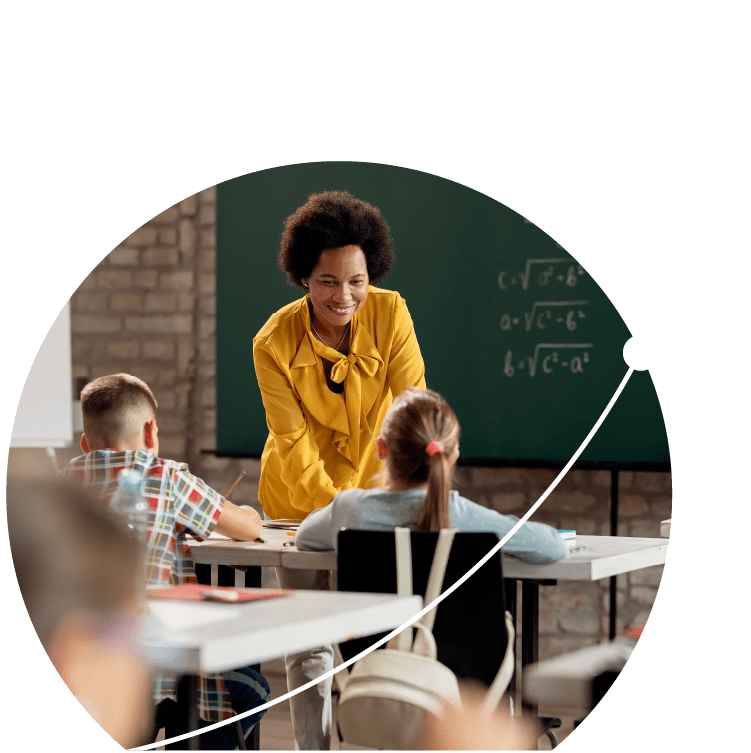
(199, 592)
(569, 536)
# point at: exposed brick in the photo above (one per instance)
(645, 528)
(632, 505)
(188, 238)
(166, 377)
(113, 279)
(207, 305)
(209, 419)
(167, 401)
(124, 348)
(161, 323)
(208, 195)
(207, 370)
(573, 501)
(160, 256)
(172, 447)
(208, 239)
(644, 594)
(648, 576)
(88, 301)
(189, 206)
(167, 217)
(186, 353)
(186, 301)
(207, 215)
(207, 259)
(581, 621)
(508, 502)
(653, 482)
(124, 256)
(142, 237)
(160, 302)
(167, 236)
(179, 280)
(89, 283)
(148, 279)
(169, 423)
(125, 301)
(206, 327)
(207, 283)
(208, 396)
(89, 323)
(662, 506)
(162, 350)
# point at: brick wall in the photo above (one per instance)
(149, 309)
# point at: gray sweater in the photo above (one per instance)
(377, 509)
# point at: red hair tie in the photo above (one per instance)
(433, 448)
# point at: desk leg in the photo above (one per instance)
(530, 621)
(253, 580)
(187, 715)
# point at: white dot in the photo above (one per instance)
(638, 352)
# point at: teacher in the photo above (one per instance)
(328, 366)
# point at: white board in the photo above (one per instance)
(45, 417)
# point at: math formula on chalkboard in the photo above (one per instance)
(549, 319)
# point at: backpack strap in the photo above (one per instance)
(404, 578)
(437, 573)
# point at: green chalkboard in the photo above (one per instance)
(515, 334)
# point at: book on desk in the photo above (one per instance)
(569, 536)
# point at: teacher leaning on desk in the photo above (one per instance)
(328, 366)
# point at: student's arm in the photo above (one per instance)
(406, 367)
(318, 531)
(302, 468)
(537, 543)
(239, 523)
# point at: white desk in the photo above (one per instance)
(198, 637)
(565, 682)
(603, 557)
(192, 637)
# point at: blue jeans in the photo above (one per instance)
(247, 689)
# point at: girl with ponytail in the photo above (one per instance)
(419, 446)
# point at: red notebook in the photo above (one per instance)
(199, 592)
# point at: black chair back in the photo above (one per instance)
(470, 628)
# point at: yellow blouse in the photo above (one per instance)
(321, 442)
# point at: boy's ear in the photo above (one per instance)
(149, 432)
(84, 444)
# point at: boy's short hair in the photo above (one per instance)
(110, 403)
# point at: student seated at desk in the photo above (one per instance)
(120, 432)
(419, 444)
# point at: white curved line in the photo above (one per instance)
(705, 175)
(571, 111)
(582, 447)
(446, 593)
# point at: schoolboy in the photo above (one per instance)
(120, 432)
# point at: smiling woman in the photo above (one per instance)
(328, 367)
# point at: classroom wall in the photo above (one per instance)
(149, 309)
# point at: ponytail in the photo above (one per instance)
(421, 433)
(435, 512)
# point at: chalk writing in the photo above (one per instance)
(549, 357)
(543, 273)
(547, 313)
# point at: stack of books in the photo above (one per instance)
(569, 536)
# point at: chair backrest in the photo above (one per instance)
(470, 629)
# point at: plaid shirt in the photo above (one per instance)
(179, 503)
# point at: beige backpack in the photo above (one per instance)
(389, 693)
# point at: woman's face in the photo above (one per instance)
(338, 286)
